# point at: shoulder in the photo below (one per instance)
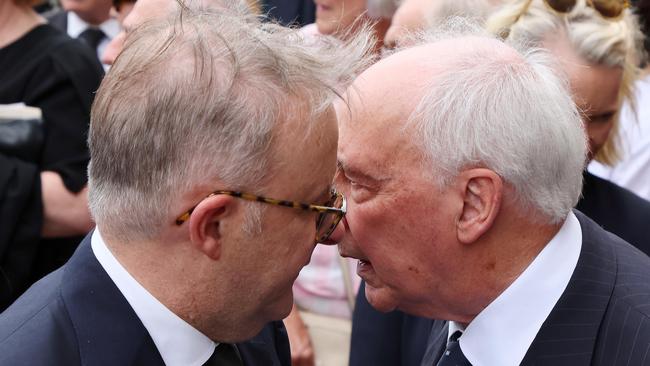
(36, 329)
(616, 196)
(617, 210)
(58, 18)
(74, 58)
(269, 347)
(53, 53)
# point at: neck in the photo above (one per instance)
(502, 256)
(16, 21)
(173, 273)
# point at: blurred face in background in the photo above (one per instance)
(141, 11)
(409, 17)
(91, 11)
(337, 15)
(595, 89)
(122, 10)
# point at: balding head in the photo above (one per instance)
(462, 100)
(459, 140)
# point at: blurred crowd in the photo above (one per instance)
(55, 55)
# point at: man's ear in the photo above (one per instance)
(206, 231)
(482, 191)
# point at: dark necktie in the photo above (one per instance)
(224, 355)
(92, 37)
(453, 355)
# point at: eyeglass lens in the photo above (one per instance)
(327, 221)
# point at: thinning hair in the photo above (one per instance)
(609, 42)
(506, 110)
(202, 97)
(477, 10)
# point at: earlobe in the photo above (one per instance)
(482, 193)
(205, 228)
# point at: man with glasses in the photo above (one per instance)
(460, 191)
(213, 146)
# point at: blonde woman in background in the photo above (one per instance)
(633, 171)
(598, 46)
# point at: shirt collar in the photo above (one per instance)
(178, 342)
(502, 333)
(76, 25)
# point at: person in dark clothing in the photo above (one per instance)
(290, 12)
(44, 68)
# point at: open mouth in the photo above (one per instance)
(363, 266)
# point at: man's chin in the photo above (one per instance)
(281, 306)
(380, 299)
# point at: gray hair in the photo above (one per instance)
(477, 10)
(198, 98)
(509, 113)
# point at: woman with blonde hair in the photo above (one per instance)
(598, 45)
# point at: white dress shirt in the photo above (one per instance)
(76, 26)
(502, 333)
(633, 171)
(178, 342)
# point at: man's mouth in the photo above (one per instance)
(363, 266)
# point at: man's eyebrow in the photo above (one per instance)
(354, 172)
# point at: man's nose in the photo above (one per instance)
(338, 233)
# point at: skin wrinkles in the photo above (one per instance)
(410, 230)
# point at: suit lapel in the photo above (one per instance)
(437, 343)
(568, 336)
(268, 348)
(108, 330)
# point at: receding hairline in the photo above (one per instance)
(417, 68)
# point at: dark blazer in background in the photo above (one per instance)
(617, 210)
(77, 316)
(58, 19)
(290, 12)
(386, 339)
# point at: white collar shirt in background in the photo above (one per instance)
(111, 28)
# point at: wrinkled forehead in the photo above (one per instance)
(381, 102)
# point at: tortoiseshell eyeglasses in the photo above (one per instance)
(329, 215)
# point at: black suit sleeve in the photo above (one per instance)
(21, 221)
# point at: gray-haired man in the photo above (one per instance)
(460, 192)
(200, 132)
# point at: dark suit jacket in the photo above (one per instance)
(77, 316)
(290, 12)
(602, 318)
(617, 210)
(58, 19)
(386, 339)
